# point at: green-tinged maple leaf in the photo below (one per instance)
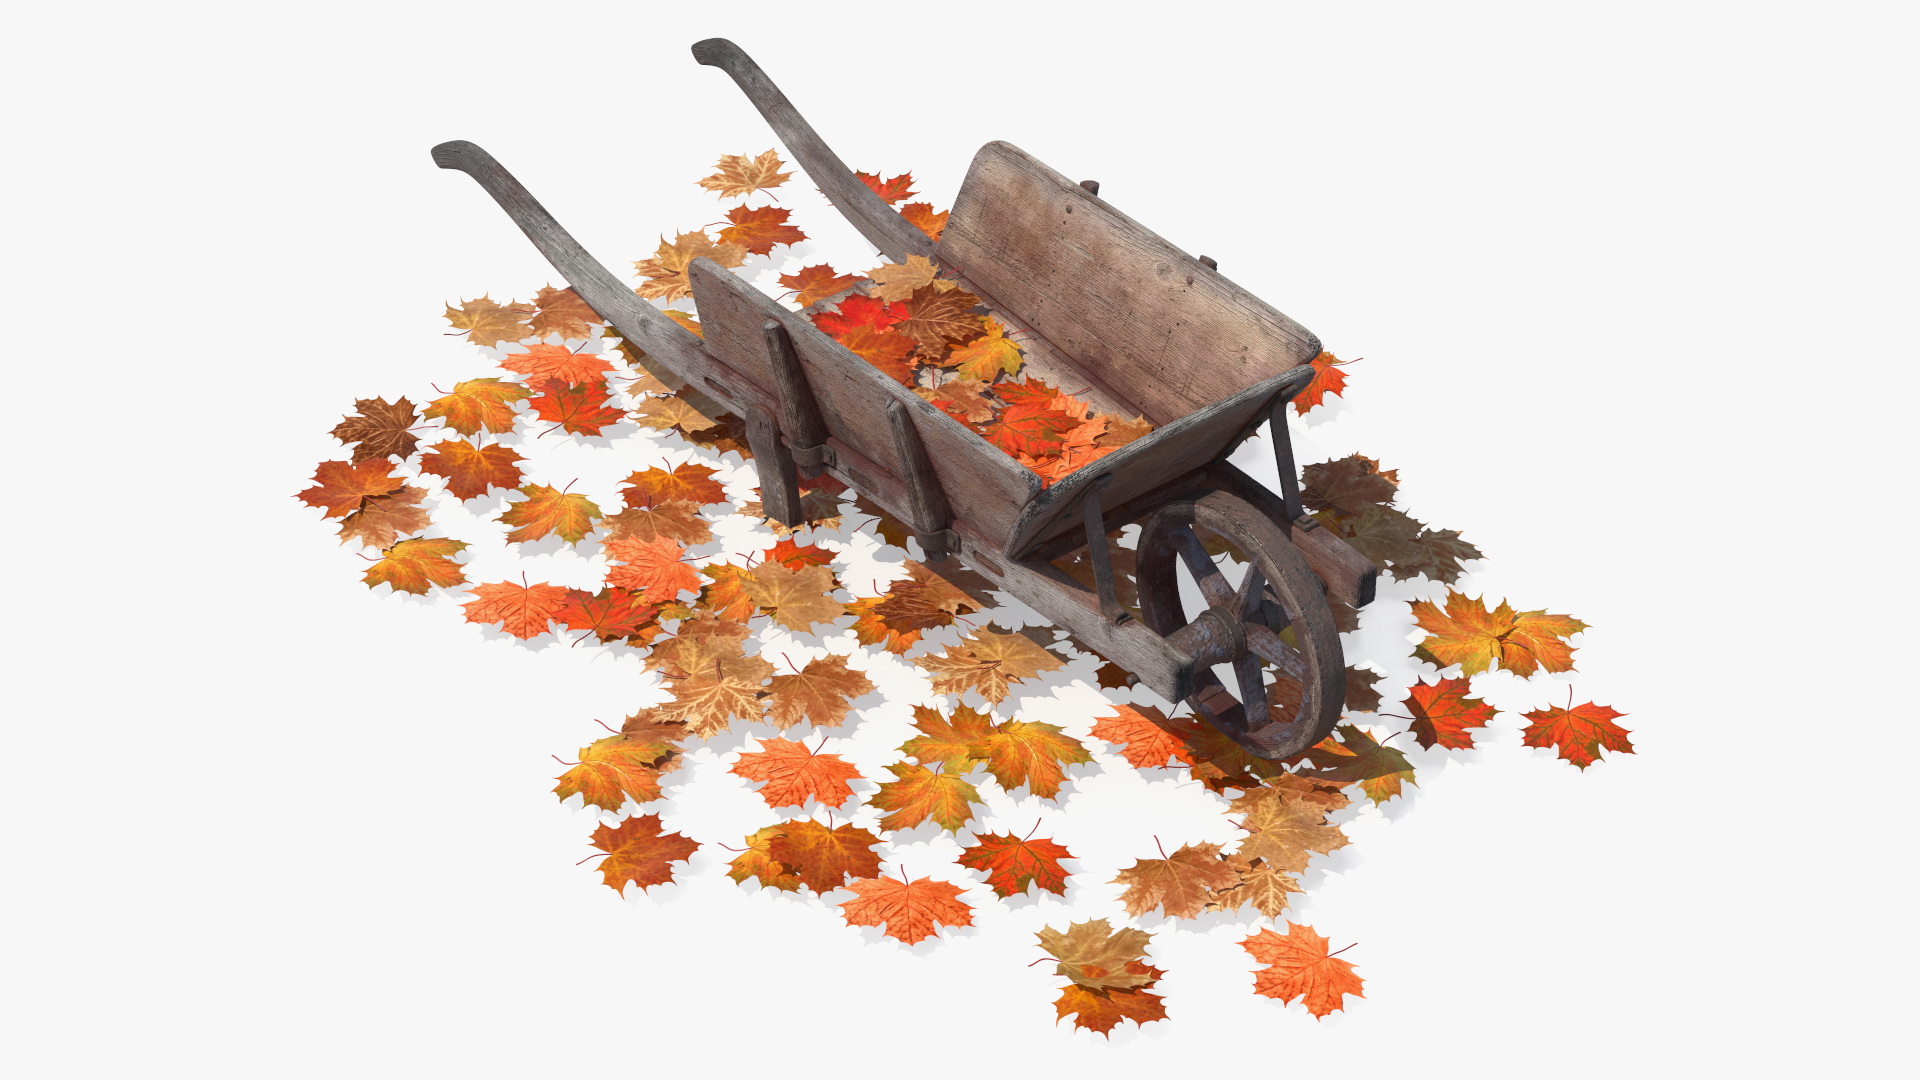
(1179, 884)
(640, 852)
(1578, 732)
(986, 357)
(1522, 642)
(613, 770)
(478, 404)
(416, 565)
(1096, 956)
(1013, 863)
(917, 794)
(380, 429)
(488, 323)
(1018, 752)
(471, 470)
(757, 861)
(1442, 714)
(952, 742)
(822, 858)
(1351, 756)
(550, 511)
(1300, 967)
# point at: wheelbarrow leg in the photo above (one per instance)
(930, 509)
(779, 479)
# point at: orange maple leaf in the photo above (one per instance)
(858, 310)
(666, 272)
(639, 853)
(821, 693)
(795, 773)
(478, 404)
(1327, 379)
(986, 357)
(739, 175)
(1031, 429)
(1149, 737)
(757, 861)
(471, 470)
(651, 566)
(580, 408)
(676, 520)
(548, 510)
(615, 769)
(988, 663)
(1102, 1010)
(953, 742)
(725, 594)
(383, 519)
(759, 229)
(563, 312)
(341, 487)
(1019, 752)
(521, 610)
(884, 349)
(917, 794)
(1580, 732)
(1442, 712)
(557, 362)
(816, 283)
(608, 614)
(796, 599)
(1012, 863)
(1522, 642)
(1300, 967)
(380, 429)
(1178, 884)
(921, 216)
(909, 909)
(686, 482)
(414, 565)
(794, 556)
(890, 191)
(488, 323)
(821, 858)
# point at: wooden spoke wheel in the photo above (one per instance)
(1288, 695)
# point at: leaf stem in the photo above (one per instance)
(564, 761)
(1156, 843)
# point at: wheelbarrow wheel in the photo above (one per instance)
(1273, 627)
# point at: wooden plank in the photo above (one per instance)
(1138, 315)
(1350, 576)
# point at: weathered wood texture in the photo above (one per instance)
(1138, 315)
(1350, 576)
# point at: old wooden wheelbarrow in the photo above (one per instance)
(1104, 303)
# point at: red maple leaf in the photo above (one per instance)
(1029, 428)
(1442, 712)
(794, 556)
(1327, 379)
(858, 310)
(1012, 863)
(609, 613)
(1580, 732)
(580, 408)
(891, 191)
(638, 853)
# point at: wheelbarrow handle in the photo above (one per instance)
(878, 222)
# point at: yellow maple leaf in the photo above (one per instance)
(796, 599)
(739, 175)
(897, 281)
(1473, 637)
(984, 358)
(666, 272)
(987, 662)
(488, 323)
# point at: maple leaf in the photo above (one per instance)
(1019, 752)
(1221, 763)
(686, 482)
(640, 852)
(795, 556)
(816, 283)
(986, 357)
(1442, 712)
(921, 216)
(613, 770)
(987, 662)
(726, 594)
(1177, 884)
(1096, 956)
(870, 629)
(897, 281)
(1299, 967)
(937, 318)
(652, 566)
(478, 404)
(917, 793)
(950, 742)
(711, 697)
(661, 413)
(908, 908)
(579, 408)
(341, 488)
(701, 640)
(549, 510)
(1102, 1010)
(740, 175)
(562, 312)
(1121, 431)
(1475, 638)
(1286, 822)
(759, 229)
(488, 323)
(1028, 391)
(414, 565)
(857, 310)
(757, 861)
(795, 774)
(666, 272)
(796, 599)
(1012, 864)
(472, 470)
(921, 600)
(608, 614)
(383, 519)
(1580, 732)
(890, 191)
(670, 520)
(521, 610)
(1268, 888)
(1327, 379)
(884, 349)
(1437, 553)
(1030, 429)
(380, 429)
(556, 362)
(821, 858)
(1357, 758)
(821, 693)
(1149, 738)
(963, 399)
(1347, 486)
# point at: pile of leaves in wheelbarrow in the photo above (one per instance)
(701, 623)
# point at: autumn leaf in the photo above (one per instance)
(855, 311)
(821, 858)
(662, 413)
(795, 556)
(1473, 637)
(758, 230)
(640, 852)
(986, 357)
(549, 511)
(1327, 379)
(1442, 712)
(987, 662)
(521, 610)
(921, 216)
(952, 742)
(1268, 888)
(580, 408)
(1102, 1010)
(700, 640)
(821, 693)
(917, 794)
(1019, 752)
(1286, 823)
(1220, 763)
(1436, 553)
(922, 600)
(1352, 756)
(666, 272)
(1030, 391)
(1178, 884)
(651, 566)
(890, 191)
(937, 318)
(739, 175)
(1579, 732)
(609, 614)
(471, 470)
(1149, 738)
(726, 594)
(414, 565)
(679, 521)
(816, 283)
(870, 629)
(380, 429)
(1348, 486)
(1030, 429)
(686, 482)
(340, 488)
(909, 909)
(796, 599)
(884, 349)
(1299, 967)
(478, 404)
(385, 518)
(613, 770)
(1095, 955)
(757, 861)
(713, 695)
(794, 773)
(1121, 431)
(1012, 864)
(963, 399)
(563, 312)
(488, 323)
(556, 362)
(898, 281)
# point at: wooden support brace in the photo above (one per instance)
(806, 429)
(779, 481)
(930, 509)
(1297, 517)
(1098, 553)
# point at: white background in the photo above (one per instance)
(1624, 278)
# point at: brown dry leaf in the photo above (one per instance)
(662, 413)
(1180, 884)
(870, 629)
(488, 323)
(922, 600)
(380, 428)
(382, 519)
(796, 599)
(677, 520)
(700, 640)
(987, 662)
(1286, 822)
(1096, 956)
(563, 312)
(821, 693)
(939, 318)
(1121, 431)
(716, 694)
(738, 175)
(666, 272)
(962, 399)
(1267, 888)
(897, 281)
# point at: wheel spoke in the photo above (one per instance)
(1213, 584)
(1252, 591)
(1267, 645)
(1253, 690)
